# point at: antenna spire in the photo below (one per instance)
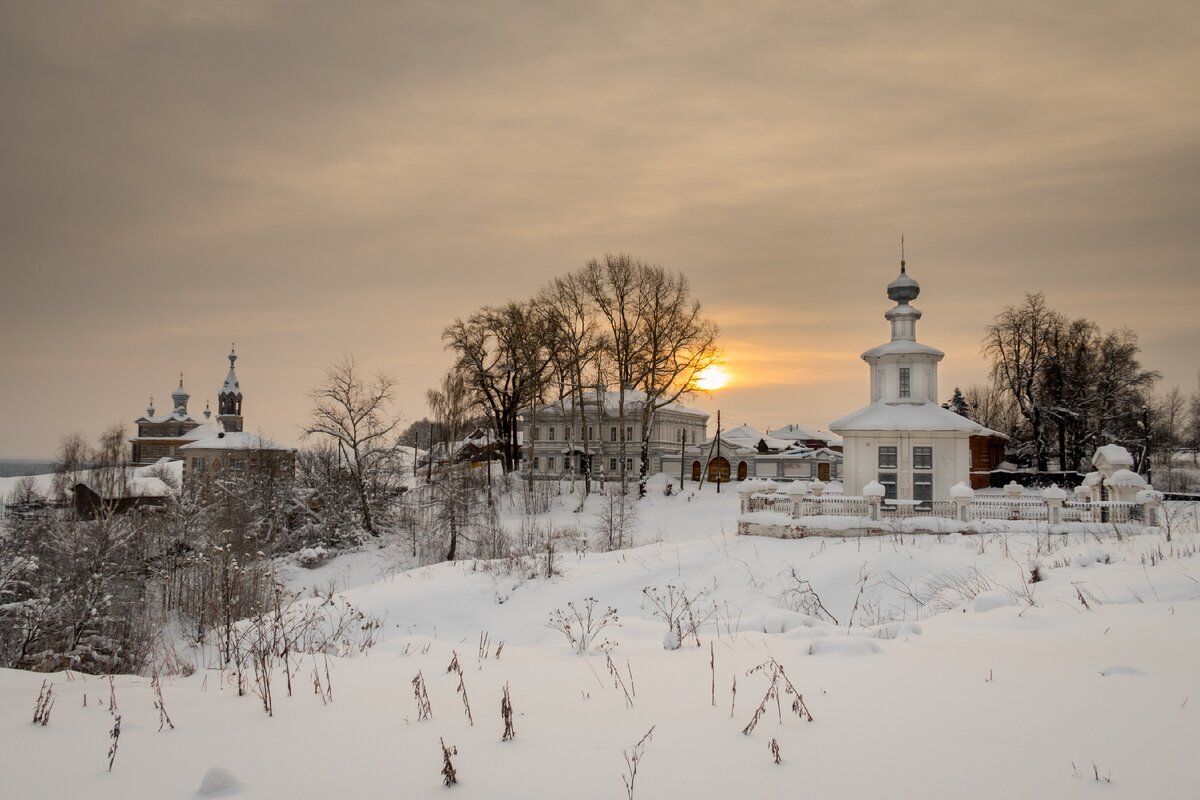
(902, 270)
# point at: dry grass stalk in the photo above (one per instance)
(633, 760)
(424, 711)
(618, 681)
(506, 713)
(777, 675)
(773, 746)
(115, 736)
(45, 702)
(163, 717)
(449, 775)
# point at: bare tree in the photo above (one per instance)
(613, 287)
(677, 345)
(72, 460)
(1018, 342)
(355, 413)
(575, 344)
(1193, 427)
(502, 353)
(1168, 426)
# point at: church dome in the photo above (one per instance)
(903, 289)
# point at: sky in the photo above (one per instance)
(308, 179)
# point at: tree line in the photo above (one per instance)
(1061, 387)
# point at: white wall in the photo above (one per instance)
(951, 459)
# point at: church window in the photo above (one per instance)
(905, 382)
(923, 488)
(887, 459)
(922, 458)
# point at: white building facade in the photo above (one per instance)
(555, 433)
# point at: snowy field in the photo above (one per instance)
(946, 674)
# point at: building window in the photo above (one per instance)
(550, 434)
(612, 433)
(887, 459)
(922, 458)
(612, 465)
(923, 488)
(888, 479)
(681, 432)
(536, 463)
(549, 463)
(629, 433)
(533, 433)
(905, 382)
(591, 434)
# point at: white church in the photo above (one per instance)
(904, 439)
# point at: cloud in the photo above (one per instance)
(307, 177)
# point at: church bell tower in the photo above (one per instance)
(229, 400)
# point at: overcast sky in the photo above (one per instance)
(307, 178)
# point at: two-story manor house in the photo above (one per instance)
(554, 435)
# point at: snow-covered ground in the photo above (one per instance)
(939, 679)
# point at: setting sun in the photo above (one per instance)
(713, 377)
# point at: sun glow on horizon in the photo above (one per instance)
(713, 377)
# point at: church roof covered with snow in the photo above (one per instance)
(884, 416)
(238, 440)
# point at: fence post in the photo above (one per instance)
(1150, 500)
(874, 492)
(1054, 498)
(745, 492)
(962, 495)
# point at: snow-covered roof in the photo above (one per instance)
(129, 486)
(1127, 478)
(239, 440)
(634, 398)
(800, 432)
(173, 416)
(1112, 455)
(231, 385)
(883, 416)
(902, 347)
